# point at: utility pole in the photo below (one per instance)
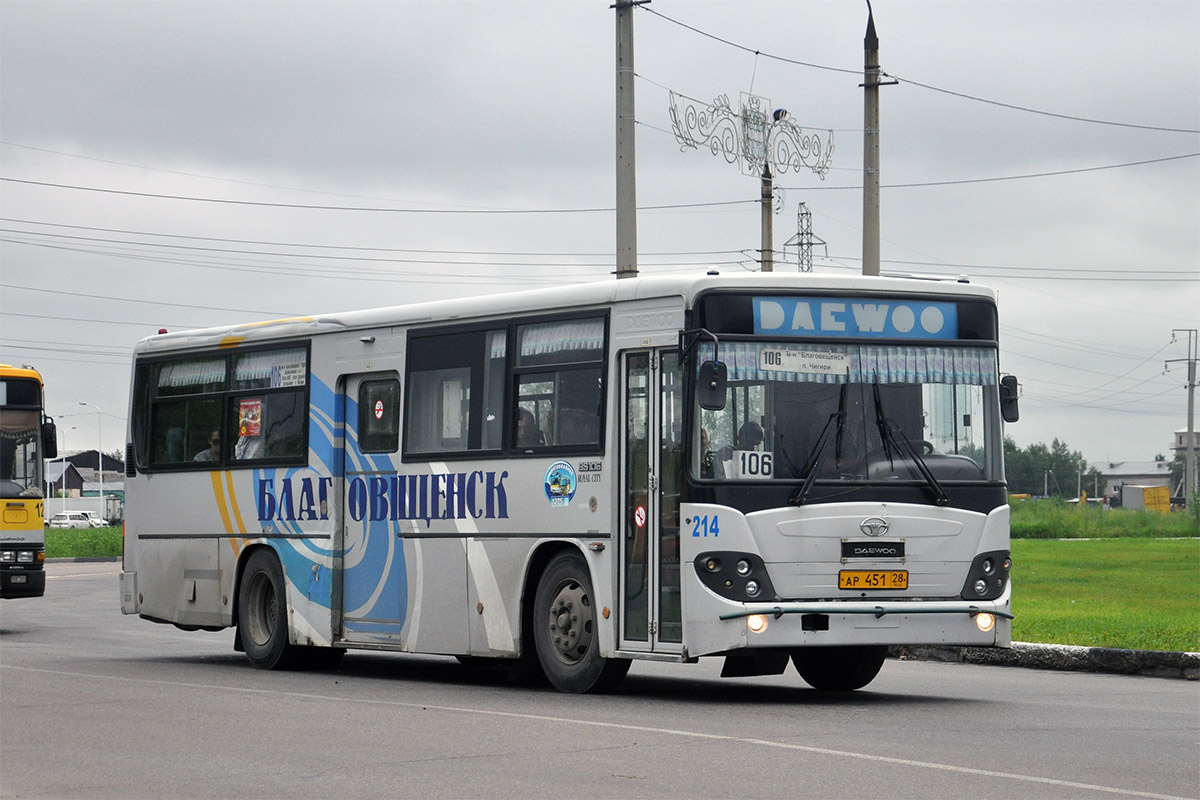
(1189, 482)
(768, 228)
(871, 84)
(626, 151)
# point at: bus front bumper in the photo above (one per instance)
(22, 583)
(730, 626)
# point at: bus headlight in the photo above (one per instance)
(728, 574)
(988, 576)
(25, 557)
(757, 623)
(8, 557)
(985, 622)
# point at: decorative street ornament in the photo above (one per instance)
(753, 137)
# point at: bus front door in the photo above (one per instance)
(652, 412)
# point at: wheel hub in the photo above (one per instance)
(570, 622)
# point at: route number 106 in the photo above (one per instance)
(750, 464)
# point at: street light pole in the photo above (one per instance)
(63, 480)
(99, 457)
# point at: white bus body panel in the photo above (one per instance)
(802, 554)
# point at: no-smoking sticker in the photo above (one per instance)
(639, 516)
(378, 409)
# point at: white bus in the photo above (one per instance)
(761, 467)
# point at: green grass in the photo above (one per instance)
(83, 543)
(1122, 588)
(1050, 519)
(1142, 594)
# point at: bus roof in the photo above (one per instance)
(557, 298)
(9, 371)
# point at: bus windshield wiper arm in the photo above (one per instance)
(891, 439)
(810, 468)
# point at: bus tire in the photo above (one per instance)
(262, 612)
(839, 669)
(565, 630)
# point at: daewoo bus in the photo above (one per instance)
(766, 468)
(27, 437)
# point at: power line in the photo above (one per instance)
(667, 206)
(1040, 112)
(373, 209)
(269, 243)
(858, 72)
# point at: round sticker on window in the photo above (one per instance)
(378, 409)
(560, 483)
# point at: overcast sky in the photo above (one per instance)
(191, 164)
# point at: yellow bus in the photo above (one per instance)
(27, 438)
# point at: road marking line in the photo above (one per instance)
(987, 773)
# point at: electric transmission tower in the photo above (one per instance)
(804, 239)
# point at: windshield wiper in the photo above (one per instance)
(810, 466)
(891, 439)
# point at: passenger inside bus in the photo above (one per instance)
(710, 465)
(213, 451)
(528, 433)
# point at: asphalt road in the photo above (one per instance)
(95, 704)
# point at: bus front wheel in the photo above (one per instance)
(565, 630)
(839, 669)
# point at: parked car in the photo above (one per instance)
(77, 519)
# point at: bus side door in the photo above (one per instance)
(374, 580)
(652, 458)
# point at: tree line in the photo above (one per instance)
(1059, 471)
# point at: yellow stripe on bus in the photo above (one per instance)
(219, 496)
(237, 514)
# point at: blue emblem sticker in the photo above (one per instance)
(560, 483)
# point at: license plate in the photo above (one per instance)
(873, 579)
(20, 578)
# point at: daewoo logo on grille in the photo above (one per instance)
(874, 526)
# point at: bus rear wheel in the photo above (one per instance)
(565, 630)
(839, 669)
(262, 613)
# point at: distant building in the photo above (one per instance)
(62, 477)
(1179, 443)
(1139, 473)
(87, 462)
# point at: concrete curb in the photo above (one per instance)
(84, 560)
(1151, 663)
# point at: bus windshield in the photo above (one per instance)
(852, 412)
(20, 455)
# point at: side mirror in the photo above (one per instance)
(710, 386)
(1009, 392)
(49, 439)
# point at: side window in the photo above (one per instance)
(455, 391)
(214, 411)
(268, 406)
(379, 416)
(186, 411)
(559, 380)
